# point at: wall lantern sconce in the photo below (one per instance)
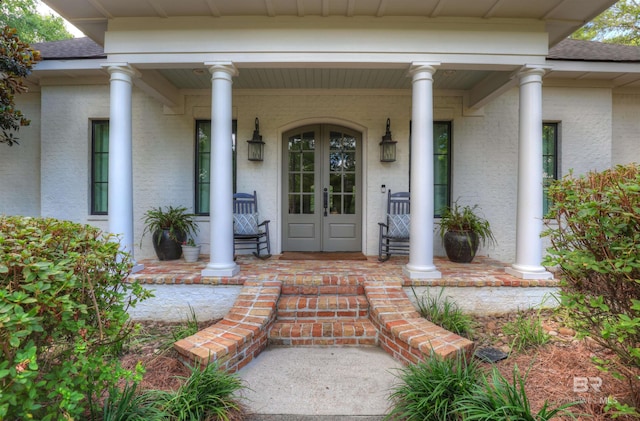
(387, 146)
(256, 145)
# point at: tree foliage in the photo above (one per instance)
(16, 61)
(31, 26)
(620, 24)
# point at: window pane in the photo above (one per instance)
(203, 164)
(99, 167)
(441, 165)
(441, 198)
(549, 161)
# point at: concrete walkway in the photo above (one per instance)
(319, 383)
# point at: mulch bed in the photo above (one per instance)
(557, 372)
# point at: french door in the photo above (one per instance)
(322, 204)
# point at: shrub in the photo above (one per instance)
(129, 404)
(430, 390)
(207, 394)
(443, 312)
(63, 312)
(596, 246)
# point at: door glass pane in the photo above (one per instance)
(308, 161)
(342, 173)
(350, 161)
(294, 161)
(349, 143)
(349, 182)
(336, 183)
(335, 161)
(301, 177)
(294, 204)
(294, 183)
(307, 204)
(349, 204)
(335, 203)
(309, 141)
(307, 183)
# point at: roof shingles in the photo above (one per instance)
(567, 49)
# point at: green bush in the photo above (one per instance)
(595, 243)
(63, 312)
(430, 390)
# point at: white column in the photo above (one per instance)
(221, 202)
(120, 196)
(528, 263)
(420, 264)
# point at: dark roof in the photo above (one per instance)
(573, 49)
(567, 49)
(74, 48)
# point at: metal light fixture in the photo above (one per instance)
(256, 145)
(387, 146)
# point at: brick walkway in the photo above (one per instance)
(312, 303)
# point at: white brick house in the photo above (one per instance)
(490, 73)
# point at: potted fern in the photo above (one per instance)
(169, 228)
(462, 230)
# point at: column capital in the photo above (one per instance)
(531, 73)
(121, 69)
(222, 66)
(420, 67)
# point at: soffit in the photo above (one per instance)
(561, 16)
(315, 78)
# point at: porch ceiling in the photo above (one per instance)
(320, 78)
(561, 16)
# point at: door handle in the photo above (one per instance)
(325, 200)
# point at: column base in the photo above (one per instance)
(217, 269)
(137, 267)
(421, 272)
(528, 272)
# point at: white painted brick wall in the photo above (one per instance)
(174, 303)
(626, 128)
(20, 164)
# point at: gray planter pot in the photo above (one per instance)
(461, 247)
(167, 248)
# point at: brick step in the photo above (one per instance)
(322, 289)
(316, 333)
(315, 307)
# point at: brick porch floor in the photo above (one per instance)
(311, 303)
(482, 271)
